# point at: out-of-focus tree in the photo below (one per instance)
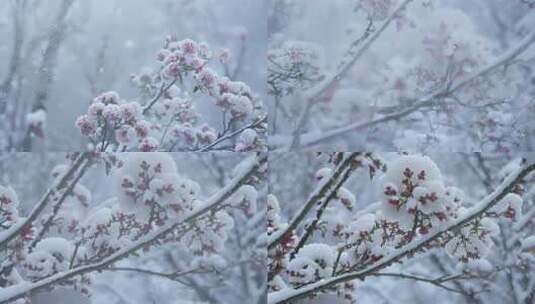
(401, 75)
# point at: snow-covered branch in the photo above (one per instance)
(55, 195)
(174, 228)
(329, 185)
(169, 120)
(471, 215)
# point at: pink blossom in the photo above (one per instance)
(96, 108)
(125, 135)
(130, 111)
(189, 46)
(241, 107)
(148, 144)
(206, 78)
(86, 125)
(112, 113)
(142, 128)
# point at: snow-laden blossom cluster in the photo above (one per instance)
(449, 54)
(314, 262)
(473, 242)
(416, 200)
(51, 255)
(122, 119)
(150, 187)
(413, 186)
(165, 116)
(245, 199)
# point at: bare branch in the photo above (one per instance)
(164, 88)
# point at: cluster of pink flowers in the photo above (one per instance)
(169, 119)
(413, 186)
(112, 120)
(179, 58)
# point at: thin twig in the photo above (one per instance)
(221, 139)
(164, 88)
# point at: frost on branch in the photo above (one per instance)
(165, 116)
